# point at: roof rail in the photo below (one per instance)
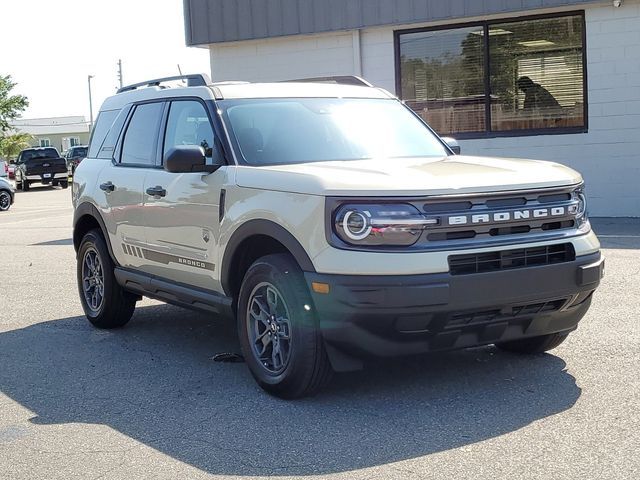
(340, 79)
(193, 80)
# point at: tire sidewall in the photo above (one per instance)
(303, 324)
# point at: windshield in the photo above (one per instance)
(40, 154)
(285, 131)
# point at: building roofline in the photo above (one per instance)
(221, 21)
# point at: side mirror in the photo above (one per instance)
(453, 144)
(187, 159)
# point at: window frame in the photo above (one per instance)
(486, 25)
(44, 140)
(164, 125)
(123, 135)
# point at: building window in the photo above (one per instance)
(74, 141)
(45, 142)
(513, 77)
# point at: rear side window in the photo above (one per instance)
(139, 146)
(100, 130)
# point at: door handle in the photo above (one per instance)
(107, 187)
(156, 192)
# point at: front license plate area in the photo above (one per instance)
(46, 175)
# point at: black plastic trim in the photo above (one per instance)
(174, 293)
(89, 209)
(269, 229)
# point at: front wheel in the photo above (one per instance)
(534, 345)
(24, 184)
(278, 330)
(105, 303)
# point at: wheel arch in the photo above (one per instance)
(87, 218)
(253, 240)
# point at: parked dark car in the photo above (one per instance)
(74, 156)
(6, 195)
(41, 165)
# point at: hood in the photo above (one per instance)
(409, 177)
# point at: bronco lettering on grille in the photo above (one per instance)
(501, 217)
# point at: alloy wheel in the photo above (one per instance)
(5, 201)
(269, 328)
(93, 280)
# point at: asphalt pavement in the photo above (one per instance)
(148, 401)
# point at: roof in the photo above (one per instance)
(218, 21)
(52, 125)
(238, 90)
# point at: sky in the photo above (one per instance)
(49, 47)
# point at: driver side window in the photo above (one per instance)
(188, 124)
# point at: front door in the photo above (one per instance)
(181, 209)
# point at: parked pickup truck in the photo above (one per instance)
(41, 165)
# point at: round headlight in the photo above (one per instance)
(356, 224)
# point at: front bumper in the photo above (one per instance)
(403, 315)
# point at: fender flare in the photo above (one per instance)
(88, 209)
(268, 229)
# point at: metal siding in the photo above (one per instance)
(217, 21)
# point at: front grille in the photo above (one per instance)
(511, 259)
(497, 217)
(466, 319)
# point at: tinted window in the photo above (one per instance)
(188, 124)
(520, 75)
(100, 130)
(39, 154)
(79, 152)
(323, 129)
(139, 145)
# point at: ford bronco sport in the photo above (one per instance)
(330, 221)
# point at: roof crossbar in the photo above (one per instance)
(340, 79)
(193, 80)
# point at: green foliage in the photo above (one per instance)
(12, 145)
(11, 106)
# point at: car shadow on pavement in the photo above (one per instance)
(155, 382)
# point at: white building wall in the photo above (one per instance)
(283, 58)
(608, 155)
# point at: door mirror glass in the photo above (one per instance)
(187, 159)
(453, 144)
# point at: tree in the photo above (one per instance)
(11, 106)
(12, 145)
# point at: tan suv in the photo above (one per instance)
(330, 222)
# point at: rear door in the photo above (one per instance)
(183, 221)
(121, 182)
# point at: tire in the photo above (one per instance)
(534, 345)
(24, 185)
(274, 288)
(111, 306)
(5, 201)
(64, 185)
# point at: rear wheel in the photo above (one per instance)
(534, 345)
(5, 201)
(105, 303)
(24, 184)
(65, 184)
(278, 331)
